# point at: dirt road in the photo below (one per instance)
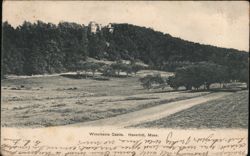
(152, 113)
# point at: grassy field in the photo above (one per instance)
(227, 112)
(59, 100)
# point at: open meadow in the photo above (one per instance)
(56, 100)
(59, 100)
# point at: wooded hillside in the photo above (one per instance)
(37, 48)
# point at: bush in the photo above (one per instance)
(108, 71)
(244, 76)
(172, 82)
(136, 67)
(119, 66)
(149, 80)
(87, 67)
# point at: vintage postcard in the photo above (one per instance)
(125, 78)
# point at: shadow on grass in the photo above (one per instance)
(213, 90)
(117, 76)
(203, 90)
(218, 90)
(83, 76)
(169, 91)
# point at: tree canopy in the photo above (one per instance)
(37, 48)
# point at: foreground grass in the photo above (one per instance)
(228, 112)
(58, 100)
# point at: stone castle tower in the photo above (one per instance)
(95, 27)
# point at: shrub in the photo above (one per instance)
(149, 80)
(108, 71)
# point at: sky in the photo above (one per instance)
(219, 23)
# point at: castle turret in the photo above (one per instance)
(99, 26)
(110, 28)
(93, 26)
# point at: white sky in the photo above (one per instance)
(224, 24)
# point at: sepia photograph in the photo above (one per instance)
(130, 65)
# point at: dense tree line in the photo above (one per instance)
(200, 74)
(110, 70)
(42, 48)
(197, 76)
(37, 48)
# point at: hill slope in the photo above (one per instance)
(36, 48)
